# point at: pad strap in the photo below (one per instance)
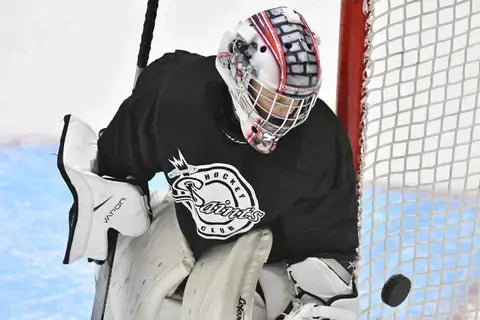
(315, 311)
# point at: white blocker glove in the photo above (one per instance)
(99, 203)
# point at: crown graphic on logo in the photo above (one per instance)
(181, 166)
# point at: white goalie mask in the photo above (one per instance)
(271, 65)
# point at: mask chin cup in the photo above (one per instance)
(264, 147)
(260, 141)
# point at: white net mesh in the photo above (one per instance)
(420, 176)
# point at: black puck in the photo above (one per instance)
(396, 290)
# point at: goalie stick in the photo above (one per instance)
(147, 36)
(105, 272)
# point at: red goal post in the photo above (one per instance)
(351, 65)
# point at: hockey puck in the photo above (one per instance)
(396, 290)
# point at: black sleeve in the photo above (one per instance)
(127, 147)
(323, 226)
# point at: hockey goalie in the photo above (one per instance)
(260, 220)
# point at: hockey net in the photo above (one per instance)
(409, 86)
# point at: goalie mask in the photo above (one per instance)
(271, 66)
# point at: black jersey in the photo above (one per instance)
(179, 120)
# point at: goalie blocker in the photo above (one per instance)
(99, 203)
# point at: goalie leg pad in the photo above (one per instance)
(148, 268)
(98, 203)
(223, 281)
(277, 287)
(170, 310)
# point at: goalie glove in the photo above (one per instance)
(99, 203)
(324, 290)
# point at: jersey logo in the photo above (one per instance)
(221, 201)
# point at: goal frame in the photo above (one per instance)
(354, 110)
(350, 76)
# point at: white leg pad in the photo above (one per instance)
(222, 283)
(148, 268)
(170, 310)
(278, 289)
